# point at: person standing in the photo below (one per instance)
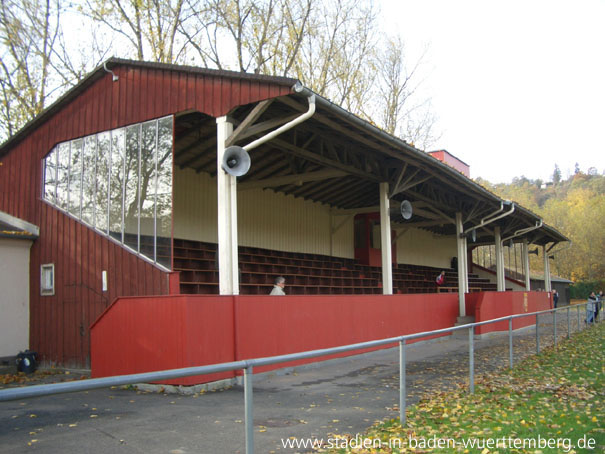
(555, 298)
(598, 305)
(591, 308)
(278, 286)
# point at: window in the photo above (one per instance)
(120, 183)
(47, 279)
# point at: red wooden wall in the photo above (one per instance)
(59, 324)
(490, 305)
(145, 334)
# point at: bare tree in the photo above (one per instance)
(334, 48)
(37, 60)
(262, 36)
(337, 54)
(400, 111)
(148, 26)
(29, 29)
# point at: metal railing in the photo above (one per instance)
(248, 365)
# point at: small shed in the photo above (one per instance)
(16, 238)
(560, 284)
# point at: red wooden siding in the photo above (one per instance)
(490, 305)
(59, 324)
(154, 333)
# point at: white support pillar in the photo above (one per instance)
(499, 260)
(526, 265)
(548, 274)
(465, 248)
(385, 240)
(547, 286)
(228, 274)
(461, 272)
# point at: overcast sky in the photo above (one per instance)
(518, 85)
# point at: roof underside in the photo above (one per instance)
(336, 159)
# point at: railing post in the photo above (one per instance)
(248, 409)
(568, 323)
(554, 323)
(471, 358)
(537, 334)
(402, 384)
(510, 342)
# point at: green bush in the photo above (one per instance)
(581, 290)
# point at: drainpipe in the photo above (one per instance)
(308, 114)
(525, 246)
(524, 231)
(489, 221)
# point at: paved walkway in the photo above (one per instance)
(341, 396)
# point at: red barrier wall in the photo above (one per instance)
(144, 334)
(490, 305)
(269, 326)
(153, 333)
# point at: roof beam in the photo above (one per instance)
(256, 112)
(264, 126)
(409, 185)
(385, 149)
(292, 179)
(322, 160)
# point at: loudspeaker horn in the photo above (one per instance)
(474, 235)
(236, 161)
(535, 251)
(406, 209)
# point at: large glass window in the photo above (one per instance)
(116, 184)
(50, 178)
(119, 182)
(164, 192)
(131, 194)
(89, 178)
(63, 175)
(148, 185)
(102, 198)
(75, 177)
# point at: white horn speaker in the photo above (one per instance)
(236, 161)
(406, 209)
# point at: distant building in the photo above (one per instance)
(447, 158)
(560, 284)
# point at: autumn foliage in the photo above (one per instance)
(575, 207)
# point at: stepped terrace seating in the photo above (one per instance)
(306, 274)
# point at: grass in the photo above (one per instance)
(550, 403)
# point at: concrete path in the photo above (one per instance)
(335, 397)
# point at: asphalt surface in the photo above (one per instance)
(333, 397)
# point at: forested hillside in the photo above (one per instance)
(575, 207)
